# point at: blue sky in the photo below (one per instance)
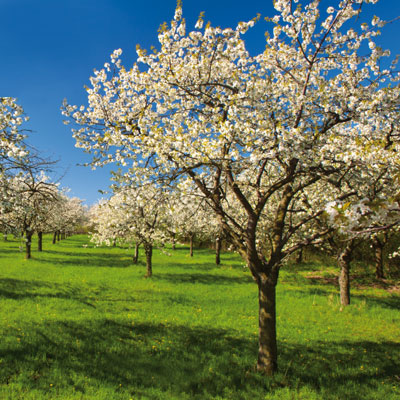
(49, 49)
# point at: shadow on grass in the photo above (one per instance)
(20, 289)
(201, 362)
(202, 278)
(67, 259)
(315, 265)
(391, 302)
(182, 264)
(7, 252)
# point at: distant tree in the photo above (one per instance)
(190, 216)
(368, 215)
(30, 199)
(65, 215)
(133, 214)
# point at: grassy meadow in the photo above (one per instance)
(78, 322)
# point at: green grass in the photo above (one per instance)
(83, 323)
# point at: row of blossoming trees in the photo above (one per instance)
(294, 146)
(29, 201)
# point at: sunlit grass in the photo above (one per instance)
(79, 322)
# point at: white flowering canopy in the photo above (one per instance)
(317, 101)
(11, 140)
(26, 202)
(131, 215)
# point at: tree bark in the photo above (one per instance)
(40, 241)
(191, 245)
(378, 245)
(148, 249)
(266, 275)
(344, 260)
(299, 258)
(28, 244)
(136, 254)
(218, 243)
(5, 237)
(267, 361)
(58, 236)
(173, 241)
(54, 237)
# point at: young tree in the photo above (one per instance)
(30, 200)
(65, 215)
(133, 214)
(262, 129)
(189, 215)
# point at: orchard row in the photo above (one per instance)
(273, 152)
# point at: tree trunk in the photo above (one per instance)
(114, 242)
(173, 241)
(136, 255)
(218, 243)
(191, 245)
(5, 237)
(58, 236)
(344, 260)
(54, 237)
(299, 258)
(28, 244)
(378, 254)
(267, 361)
(40, 241)
(62, 235)
(148, 249)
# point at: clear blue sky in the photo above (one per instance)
(49, 49)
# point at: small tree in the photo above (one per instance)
(31, 198)
(133, 214)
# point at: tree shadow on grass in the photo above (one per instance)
(202, 278)
(7, 252)
(391, 301)
(198, 361)
(314, 265)
(21, 289)
(68, 259)
(205, 266)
